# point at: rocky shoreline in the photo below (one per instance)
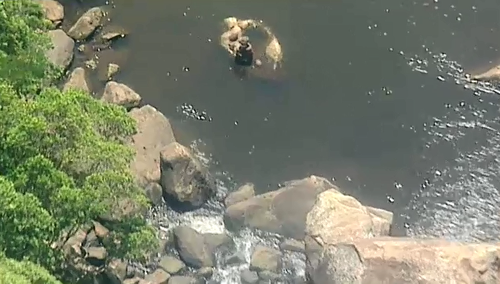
(335, 237)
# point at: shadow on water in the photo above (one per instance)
(346, 104)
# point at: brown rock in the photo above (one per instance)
(158, 277)
(183, 177)
(53, 10)
(100, 231)
(336, 217)
(243, 193)
(153, 133)
(86, 24)
(492, 74)
(77, 80)
(404, 260)
(120, 94)
(265, 259)
(283, 211)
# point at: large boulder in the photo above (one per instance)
(336, 217)
(198, 250)
(52, 9)
(86, 24)
(243, 193)
(120, 94)
(61, 54)
(153, 133)
(183, 177)
(265, 259)
(403, 260)
(77, 80)
(283, 211)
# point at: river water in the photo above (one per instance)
(371, 94)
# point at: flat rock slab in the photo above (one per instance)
(404, 261)
(154, 132)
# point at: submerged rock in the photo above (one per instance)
(183, 177)
(86, 24)
(121, 94)
(154, 132)
(403, 260)
(61, 54)
(112, 70)
(77, 80)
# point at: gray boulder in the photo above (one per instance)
(153, 133)
(86, 24)
(61, 54)
(120, 94)
(77, 80)
(183, 177)
(243, 193)
(265, 258)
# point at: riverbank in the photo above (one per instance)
(309, 220)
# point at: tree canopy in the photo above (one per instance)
(64, 160)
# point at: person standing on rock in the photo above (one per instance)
(244, 53)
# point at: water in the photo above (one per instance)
(372, 94)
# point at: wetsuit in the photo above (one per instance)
(244, 55)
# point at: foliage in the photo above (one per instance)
(23, 44)
(63, 159)
(23, 272)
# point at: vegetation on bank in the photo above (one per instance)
(63, 160)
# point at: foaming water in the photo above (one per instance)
(209, 219)
(460, 201)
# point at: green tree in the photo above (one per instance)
(23, 272)
(23, 44)
(64, 159)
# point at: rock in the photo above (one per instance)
(77, 80)
(134, 280)
(112, 35)
(53, 10)
(86, 24)
(171, 264)
(205, 272)
(116, 271)
(191, 247)
(249, 277)
(155, 193)
(336, 217)
(96, 255)
(120, 94)
(153, 133)
(293, 245)
(91, 239)
(182, 280)
(382, 220)
(492, 74)
(243, 193)
(74, 244)
(91, 64)
(265, 258)
(404, 260)
(61, 53)
(100, 231)
(235, 258)
(283, 211)
(269, 276)
(158, 277)
(215, 241)
(183, 177)
(112, 70)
